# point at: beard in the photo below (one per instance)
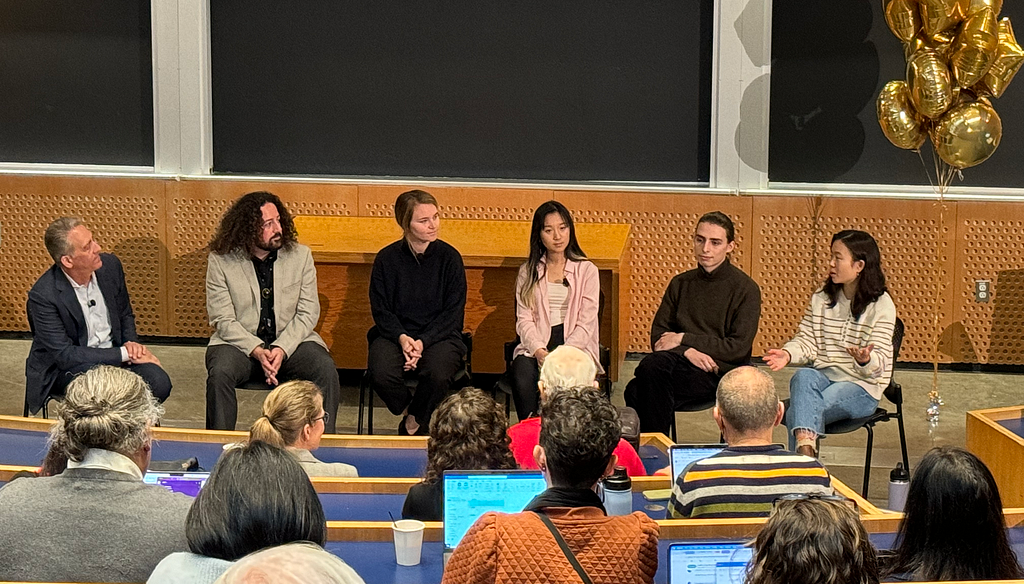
(275, 243)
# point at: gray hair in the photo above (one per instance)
(568, 366)
(56, 237)
(747, 399)
(109, 408)
(298, 563)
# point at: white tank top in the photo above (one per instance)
(558, 302)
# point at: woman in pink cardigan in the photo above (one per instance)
(557, 297)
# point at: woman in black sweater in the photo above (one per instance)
(418, 301)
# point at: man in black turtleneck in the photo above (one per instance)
(704, 328)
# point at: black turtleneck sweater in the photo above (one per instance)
(717, 311)
(423, 296)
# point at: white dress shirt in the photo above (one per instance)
(97, 318)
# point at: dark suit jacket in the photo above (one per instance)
(59, 332)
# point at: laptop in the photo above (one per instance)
(708, 562)
(469, 494)
(186, 483)
(681, 455)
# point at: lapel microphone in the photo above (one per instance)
(565, 282)
(93, 302)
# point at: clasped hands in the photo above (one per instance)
(412, 350)
(138, 354)
(271, 360)
(668, 341)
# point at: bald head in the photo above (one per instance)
(567, 367)
(747, 400)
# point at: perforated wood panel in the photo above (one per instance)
(125, 217)
(663, 226)
(792, 242)
(990, 246)
(194, 209)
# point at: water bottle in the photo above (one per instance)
(618, 492)
(899, 484)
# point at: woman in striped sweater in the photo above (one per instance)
(845, 337)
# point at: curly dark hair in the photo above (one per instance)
(468, 431)
(579, 430)
(242, 224)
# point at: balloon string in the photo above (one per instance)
(943, 178)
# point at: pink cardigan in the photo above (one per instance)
(581, 324)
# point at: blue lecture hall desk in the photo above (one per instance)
(375, 561)
(27, 447)
(1015, 425)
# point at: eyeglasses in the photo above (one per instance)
(324, 417)
(815, 497)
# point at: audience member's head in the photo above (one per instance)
(813, 541)
(293, 415)
(953, 527)
(294, 563)
(567, 366)
(579, 430)
(257, 496)
(468, 431)
(106, 408)
(244, 229)
(747, 405)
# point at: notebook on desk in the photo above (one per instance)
(469, 494)
(186, 483)
(708, 562)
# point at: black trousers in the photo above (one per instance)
(153, 374)
(434, 372)
(666, 382)
(227, 368)
(526, 374)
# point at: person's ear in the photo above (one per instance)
(65, 260)
(717, 415)
(859, 266)
(614, 460)
(540, 458)
(780, 414)
(541, 389)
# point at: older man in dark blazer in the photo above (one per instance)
(81, 316)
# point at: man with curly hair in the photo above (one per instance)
(261, 297)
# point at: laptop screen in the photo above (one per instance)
(186, 483)
(708, 562)
(470, 494)
(683, 454)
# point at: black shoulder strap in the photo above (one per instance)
(565, 548)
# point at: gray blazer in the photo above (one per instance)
(317, 468)
(233, 300)
(88, 525)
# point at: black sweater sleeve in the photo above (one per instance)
(452, 317)
(740, 331)
(384, 317)
(663, 319)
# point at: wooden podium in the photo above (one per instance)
(344, 249)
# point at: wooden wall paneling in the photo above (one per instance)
(194, 211)
(793, 243)
(662, 242)
(990, 246)
(125, 217)
(458, 202)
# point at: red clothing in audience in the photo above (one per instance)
(526, 434)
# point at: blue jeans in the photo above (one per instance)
(815, 400)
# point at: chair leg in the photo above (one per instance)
(362, 402)
(369, 410)
(903, 443)
(867, 461)
(674, 439)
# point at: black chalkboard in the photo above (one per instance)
(76, 82)
(553, 89)
(829, 61)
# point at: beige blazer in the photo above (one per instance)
(233, 305)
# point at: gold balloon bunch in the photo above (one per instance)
(959, 55)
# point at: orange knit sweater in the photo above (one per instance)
(519, 549)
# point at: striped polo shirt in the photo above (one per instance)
(744, 481)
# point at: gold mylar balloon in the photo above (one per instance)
(897, 117)
(928, 79)
(941, 44)
(976, 47)
(903, 18)
(968, 134)
(976, 5)
(940, 15)
(1009, 58)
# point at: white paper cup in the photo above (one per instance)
(408, 541)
